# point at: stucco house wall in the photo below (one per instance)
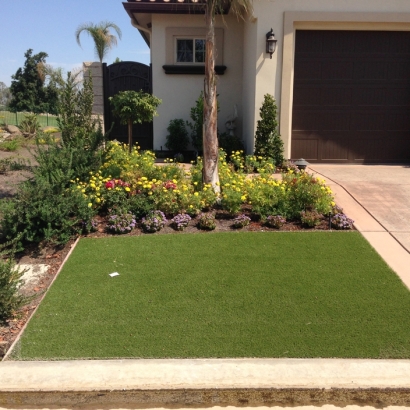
(180, 91)
(250, 72)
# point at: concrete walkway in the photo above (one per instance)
(377, 198)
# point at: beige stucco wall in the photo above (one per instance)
(180, 91)
(284, 16)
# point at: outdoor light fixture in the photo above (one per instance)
(301, 164)
(270, 42)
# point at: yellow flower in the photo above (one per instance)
(90, 204)
(196, 193)
(127, 188)
(333, 203)
(150, 193)
(98, 200)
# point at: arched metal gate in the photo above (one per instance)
(124, 76)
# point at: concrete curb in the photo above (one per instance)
(206, 382)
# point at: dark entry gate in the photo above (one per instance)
(124, 76)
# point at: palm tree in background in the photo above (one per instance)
(210, 136)
(101, 35)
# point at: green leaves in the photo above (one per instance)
(28, 89)
(136, 106)
(100, 33)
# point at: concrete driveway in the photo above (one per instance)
(377, 198)
(383, 190)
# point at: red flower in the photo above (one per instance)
(110, 184)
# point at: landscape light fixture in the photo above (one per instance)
(270, 42)
(301, 164)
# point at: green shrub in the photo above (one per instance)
(30, 125)
(140, 205)
(197, 117)
(230, 143)
(310, 218)
(42, 211)
(9, 146)
(76, 121)
(306, 193)
(207, 222)
(267, 139)
(177, 138)
(10, 281)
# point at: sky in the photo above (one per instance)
(50, 25)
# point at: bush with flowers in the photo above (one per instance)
(341, 221)
(206, 221)
(180, 221)
(310, 218)
(120, 221)
(275, 221)
(153, 222)
(306, 192)
(241, 221)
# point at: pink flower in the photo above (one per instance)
(110, 184)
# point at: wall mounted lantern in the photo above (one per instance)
(270, 42)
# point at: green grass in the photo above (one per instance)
(223, 295)
(11, 118)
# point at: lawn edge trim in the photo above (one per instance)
(11, 348)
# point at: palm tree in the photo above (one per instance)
(210, 136)
(101, 35)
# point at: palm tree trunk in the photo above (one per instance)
(130, 135)
(210, 138)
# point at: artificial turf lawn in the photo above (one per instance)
(242, 294)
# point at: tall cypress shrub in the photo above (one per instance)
(268, 142)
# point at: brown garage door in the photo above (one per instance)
(351, 101)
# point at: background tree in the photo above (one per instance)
(28, 88)
(134, 107)
(100, 33)
(268, 142)
(210, 170)
(5, 94)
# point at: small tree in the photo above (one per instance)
(177, 138)
(268, 142)
(76, 121)
(134, 107)
(28, 89)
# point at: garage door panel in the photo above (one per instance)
(337, 70)
(309, 70)
(310, 42)
(352, 96)
(336, 96)
(332, 120)
(398, 97)
(305, 146)
(365, 120)
(399, 70)
(334, 43)
(398, 121)
(369, 96)
(307, 96)
(366, 42)
(334, 147)
(305, 121)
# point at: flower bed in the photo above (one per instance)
(133, 183)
